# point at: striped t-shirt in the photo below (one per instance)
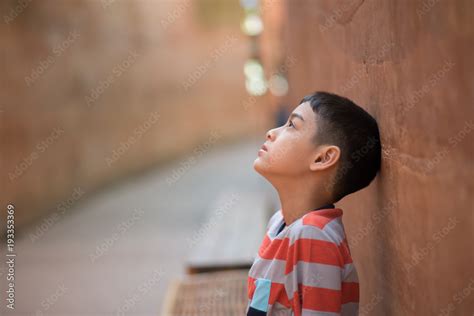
(304, 269)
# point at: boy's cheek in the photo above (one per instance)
(266, 163)
(282, 162)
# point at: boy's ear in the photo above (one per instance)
(325, 157)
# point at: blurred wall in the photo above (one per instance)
(92, 91)
(409, 63)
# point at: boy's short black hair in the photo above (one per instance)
(343, 123)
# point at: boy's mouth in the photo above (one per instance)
(262, 150)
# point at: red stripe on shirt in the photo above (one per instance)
(321, 218)
(307, 250)
(296, 304)
(350, 292)
(314, 251)
(250, 287)
(278, 294)
(277, 249)
(265, 243)
(320, 299)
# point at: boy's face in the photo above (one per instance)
(289, 149)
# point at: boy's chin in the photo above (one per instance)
(261, 166)
(272, 171)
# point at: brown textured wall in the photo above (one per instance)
(409, 63)
(80, 76)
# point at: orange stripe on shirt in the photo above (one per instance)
(307, 250)
(296, 304)
(278, 294)
(266, 241)
(250, 287)
(277, 249)
(345, 251)
(319, 299)
(321, 218)
(314, 251)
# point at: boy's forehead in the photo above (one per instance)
(306, 111)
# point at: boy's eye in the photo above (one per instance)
(290, 123)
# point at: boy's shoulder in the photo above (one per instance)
(323, 225)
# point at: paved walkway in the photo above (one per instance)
(118, 249)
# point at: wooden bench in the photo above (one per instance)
(232, 232)
(205, 294)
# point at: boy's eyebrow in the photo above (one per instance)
(296, 115)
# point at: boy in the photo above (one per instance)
(329, 148)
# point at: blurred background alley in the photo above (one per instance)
(128, 130)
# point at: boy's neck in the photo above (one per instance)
(295, 204)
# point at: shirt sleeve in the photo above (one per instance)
(317, 277)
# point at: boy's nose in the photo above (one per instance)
(271, 134)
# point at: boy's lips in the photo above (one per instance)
(262, 150)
